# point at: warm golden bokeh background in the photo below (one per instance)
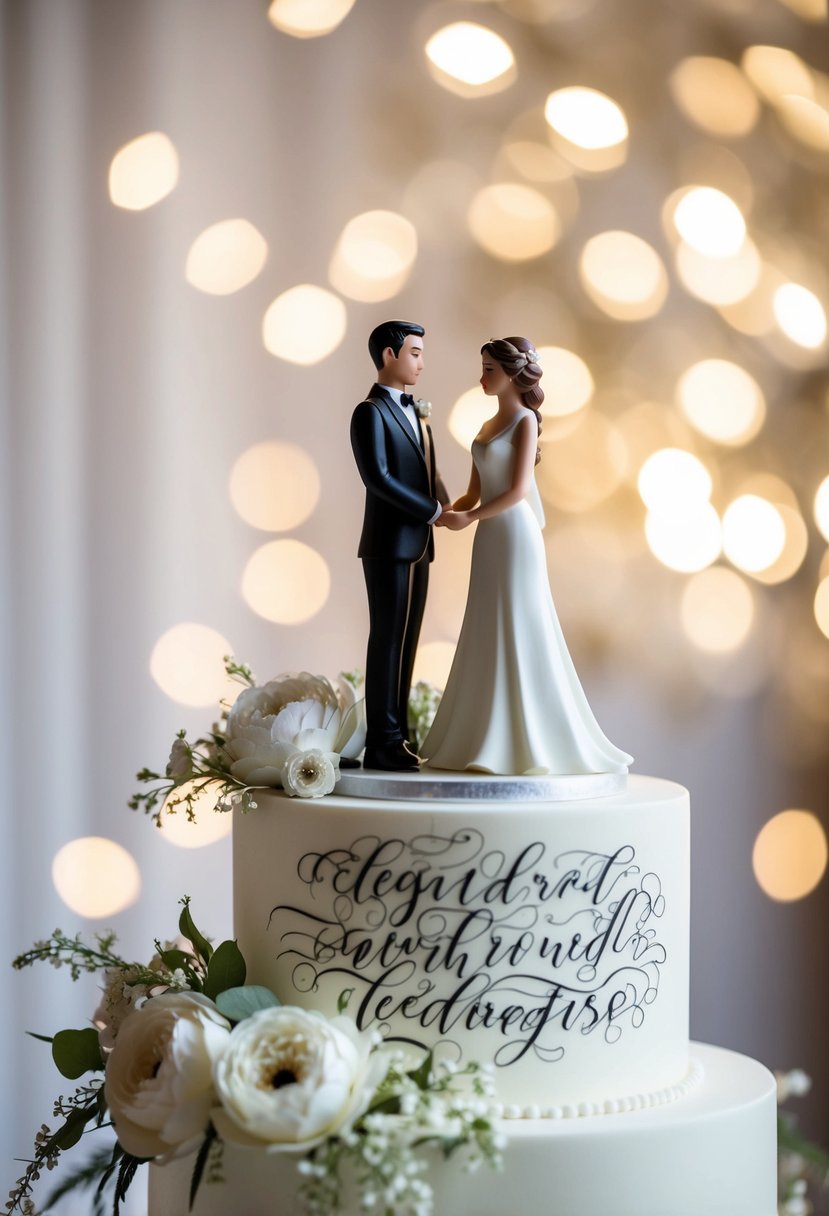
(205, 208)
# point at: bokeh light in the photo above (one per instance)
(719, 280)
(587, 118)
(308, 18)
(513, 222)
(717, 610)
(685, 540)
(709, 221)
(714, 95)
(143, 172)
(583, 464)
(674, 480)
(754, 534)
(776, 72)
(470, 59)
(210, 825)
(275, 486)
(286, 581)
(821, 606)
(96, 877)
(187, 663)
(806, 120)
(468, 415)
(623, 275)
(790, 855)
(433, 661)
(795, 548)
(226, 257)
(722, 401)
(567, 383)
(304, 325)
(800, 315)
(374, 256)
(821, 508)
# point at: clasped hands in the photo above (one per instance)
(454, 520)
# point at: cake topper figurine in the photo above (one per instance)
(513, 702)
(395, 457)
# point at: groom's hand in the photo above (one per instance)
(454, 520)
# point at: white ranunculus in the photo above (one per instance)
(291, 1077)
(268, 725)
(310, 774)
(159, 1082)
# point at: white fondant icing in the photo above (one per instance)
(712, 1153)
(548, 938)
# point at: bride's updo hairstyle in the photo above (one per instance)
(519, 359)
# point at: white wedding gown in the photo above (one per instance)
(513, 702)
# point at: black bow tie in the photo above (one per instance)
(407, 399)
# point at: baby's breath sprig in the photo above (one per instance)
(443, 1106)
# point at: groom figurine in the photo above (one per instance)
(396, 461)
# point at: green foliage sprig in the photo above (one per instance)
(196, 768)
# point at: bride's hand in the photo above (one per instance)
(454, 520)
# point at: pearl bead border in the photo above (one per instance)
(610, 1106)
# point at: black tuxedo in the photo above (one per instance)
(396, 547)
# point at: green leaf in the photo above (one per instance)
(343, 999)
(226, 969)
(126, 1173)
(43, 1038)
(76, 1052)
(173, 959)
(70, 1132)
(188, 929)
(239, 1003)
(422, 1075)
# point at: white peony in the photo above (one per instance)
(269, 725)
(291, 1077)
(159, 1084)
(310, 774)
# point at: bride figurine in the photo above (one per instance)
(513, 702)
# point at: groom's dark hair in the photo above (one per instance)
(393, 334)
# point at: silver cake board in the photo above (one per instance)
(432, 784)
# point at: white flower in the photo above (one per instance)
(268, 725)
(310, 774)
(792, 1084)
(119, 998)
(159, 1085)
(180, 764)
(291, 1077)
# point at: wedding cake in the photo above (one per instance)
(545, 935)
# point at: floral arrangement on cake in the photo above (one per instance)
(291, 733)
(184, 1057)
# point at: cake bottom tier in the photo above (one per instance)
(712, 1152)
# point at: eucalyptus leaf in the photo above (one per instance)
(239, 1003)
(188, 929)
(343, 999)
(76, 1052)
(226, 969)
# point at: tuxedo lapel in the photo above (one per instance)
(383, 399)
